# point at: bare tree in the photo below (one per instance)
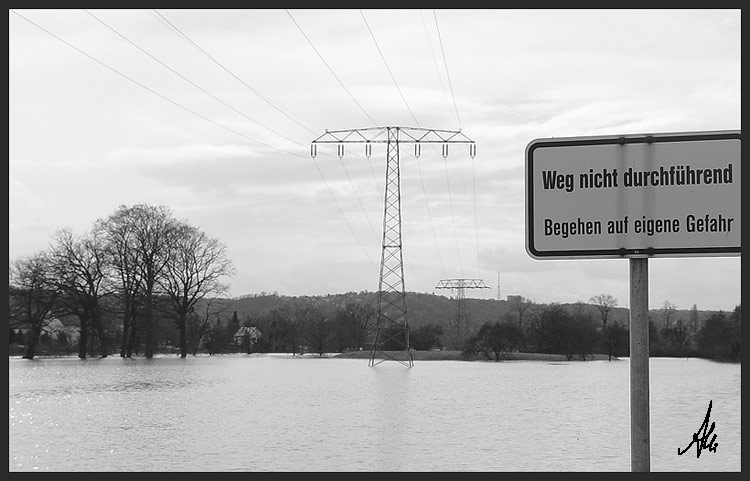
(318, 332)
(33, 294)
(80, 270)
(122, 258)
(605, 303)
(520, 305)
(299, 317)
(353, 322)
(199, 325)
(139, 241)
(667, 312)
(194, 270)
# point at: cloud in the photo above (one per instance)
(89, 135)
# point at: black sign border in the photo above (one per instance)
(621, 252)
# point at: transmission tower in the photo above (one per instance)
(462, 314)
(391, 333)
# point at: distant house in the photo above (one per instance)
(55, 329)
(245, 335)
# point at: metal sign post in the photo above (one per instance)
(635, 197)
(640, 436)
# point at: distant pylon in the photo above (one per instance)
(391, 334)
(462, 314)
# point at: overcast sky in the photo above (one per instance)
(211, 113)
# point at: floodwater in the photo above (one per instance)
(283, 413)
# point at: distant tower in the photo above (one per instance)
(462, 315)
(391, 336)
(498, 286)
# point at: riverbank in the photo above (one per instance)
(457, 356)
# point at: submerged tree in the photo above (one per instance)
(557, 331)
(123, 258)
(80, 270)
(201, 322)
(495, 338)
(427, 336)
(140, 238)
(33, 295)
(194, 269)
(318, 333)
(352, 323)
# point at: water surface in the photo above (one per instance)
(283, 413)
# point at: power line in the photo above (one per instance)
(453, 215)
(442, 88)
(354, 189)
(163, 97)
(391, 336)
(341, 211)
(320, 56)
(476, 216)
(447, 73)
(224, 103)
(330, 69)
(274, 106)
(434, 62)
(372, 35)
(322, 59)
(184, 36)
(429, 215)
(177, 104)
(458, 119)
(190, 81)
(450, 195)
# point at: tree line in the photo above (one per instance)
(134, 266)
(340, 323)
(142, 282)
(575, 333)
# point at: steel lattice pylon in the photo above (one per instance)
(391, 333)
(462, 313)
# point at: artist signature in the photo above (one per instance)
(703, 442)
